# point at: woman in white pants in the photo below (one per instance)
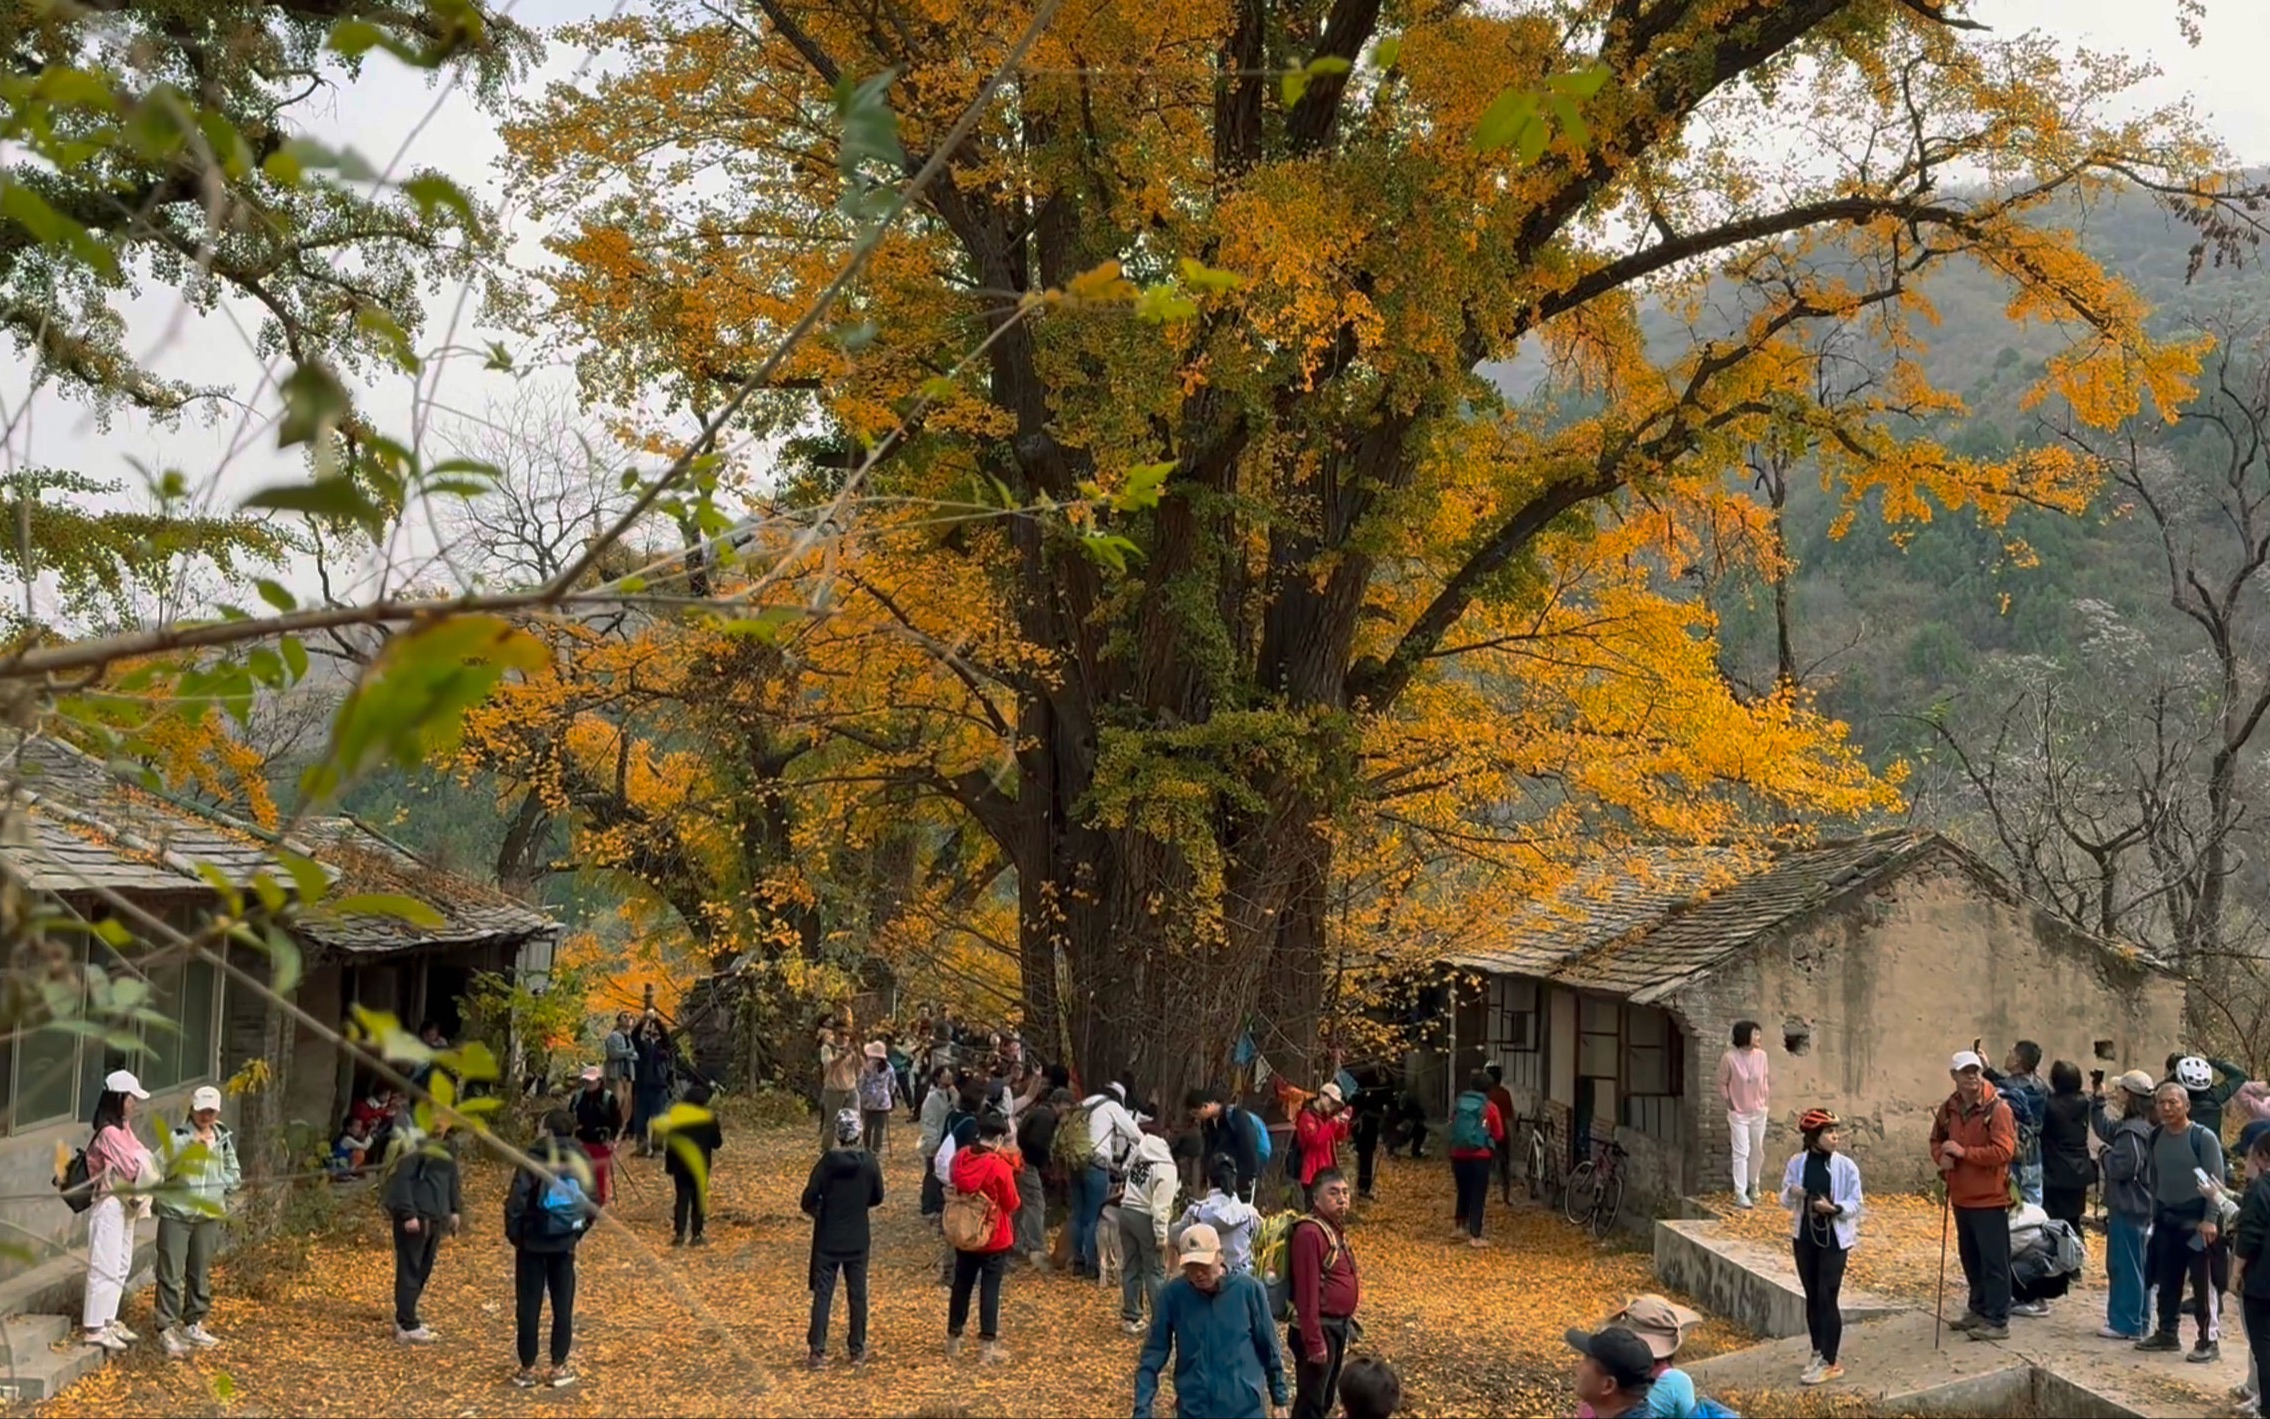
(1742, 1082)
(120, 1169)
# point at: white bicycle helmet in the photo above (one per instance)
(2192, 1073)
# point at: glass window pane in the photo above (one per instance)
(1597, 1056)
(198, 998)
(1650, 1072)
(1645, 1027)
(47, 1073)
(1599, 1014)
(160, 1068)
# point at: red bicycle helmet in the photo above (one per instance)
(1814, 1120)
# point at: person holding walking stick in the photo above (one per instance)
(1973, 1139)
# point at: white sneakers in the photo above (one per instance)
(1742, 1200)
(418, 1336)
(108, 1337)
(181, 1341)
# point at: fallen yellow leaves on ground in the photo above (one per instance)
(308, 1325)
(1898, 1255)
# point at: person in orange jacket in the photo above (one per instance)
(1318, 1132)
(985, 1168)
(1973, 1138)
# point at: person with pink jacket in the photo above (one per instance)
(1742, 1082)
(120, 1170)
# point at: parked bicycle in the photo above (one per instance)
(1596, 1188)
(1539, 1169)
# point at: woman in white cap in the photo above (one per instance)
(2125, 1124)
(119, 1171)
(201, 1171)
(878, 1095)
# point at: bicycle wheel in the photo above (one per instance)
(1610, 1203)
(1583, 1194)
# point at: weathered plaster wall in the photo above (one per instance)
(1892, 982)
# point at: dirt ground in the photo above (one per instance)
(720, 1330)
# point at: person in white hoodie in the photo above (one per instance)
(1233, 1219)
(1112, 1136)
(1146, 1210)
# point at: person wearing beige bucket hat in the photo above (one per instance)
(2123, 1119)
(1662, 1324)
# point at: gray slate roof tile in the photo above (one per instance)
(1642, 927)
(83, 827)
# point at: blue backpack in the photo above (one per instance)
(563, 1209)
(1712, 1409)
(1264, 1148)
(1469, 1124)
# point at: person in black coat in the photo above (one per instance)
(424, 1197)
(680, 1148)
(2067, 1171)
(546, 1213)
(845, 1184)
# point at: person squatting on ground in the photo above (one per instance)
(424, 1199)
(1216, 1320)
(546, 1212)
(2126, 1162)
(1744, 1084)
(1821, 1188)
(1477, 1133)
(846, 1184)
(1321, 1272)
(200, 1172)
(120, 1171)
(1973, 1139)
(682, 1148)
(984, 1188)
(1146, 1212)
(2183, 1223)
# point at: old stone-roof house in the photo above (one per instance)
(81, 836)
(1867, 961)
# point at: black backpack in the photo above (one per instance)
(76, 1183)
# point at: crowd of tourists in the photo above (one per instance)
(2019, 1154)
(1256, 1312)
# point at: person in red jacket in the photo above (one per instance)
(984, 1168)
(1477, 1132)
(1318, 1131)
(1973, 1138)
(1321, 1270)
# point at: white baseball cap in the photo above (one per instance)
(1966, 1059)
(121, 1081)
(205, 1098)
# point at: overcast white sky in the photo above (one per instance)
(381, 115)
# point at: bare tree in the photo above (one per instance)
(558, 488)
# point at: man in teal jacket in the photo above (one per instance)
(1226, 1364)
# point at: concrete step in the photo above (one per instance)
(20, 1335)
(41, 1371)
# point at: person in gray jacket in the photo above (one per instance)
(201, 1171)
(424, 1198)
(2125, 1124)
